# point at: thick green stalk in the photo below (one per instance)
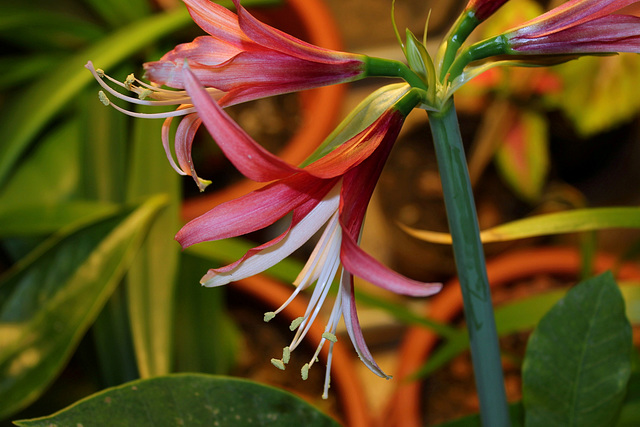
(470, 263)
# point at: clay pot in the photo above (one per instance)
(404, 406)
(309, 20)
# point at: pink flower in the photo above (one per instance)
(578, 27)
(248, 59)
(484, 8)
(332, 192)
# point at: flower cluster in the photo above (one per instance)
(243, 59)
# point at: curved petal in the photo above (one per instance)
(303, 227)
(569, 14)
(253, 211)
(383, 131)
(216, 20)
(247, 156)
(275, 39)
(166, 144)
(204, 50)
(352, 323)
(363, 265)
(185, 134)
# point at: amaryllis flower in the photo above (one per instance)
(578, 27)
(482, 9)
(248, 59)
(333, 192)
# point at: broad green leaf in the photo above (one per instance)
(542, 225)
(523, 155)
(578, 359)
(49, 299)
(44, 99)
(189, 399)
(51, 173)
(151, 279)
(206, 338)
(630, 412)
(46, 218)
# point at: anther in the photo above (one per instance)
(269, 315)
(305, 372)
(286, 355)
(103, 98)
(278, 363)
(296, 322)
(329, 336)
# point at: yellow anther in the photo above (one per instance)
(130, 80)
(286, 355)
(305, 371)
(329, 336)
(269, 315)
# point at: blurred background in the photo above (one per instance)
(94, 291)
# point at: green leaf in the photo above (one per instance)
(51, 173)
(578, 359)
(516, 414)
(189, 400)
(151, 280)
(548, 224)
(523, 155)
(44, 99)
(20, 69)
(49, 299)
(45, 218)
(206, 338)
(119, 12)
(43, 30)
(630, 412)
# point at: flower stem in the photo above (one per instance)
(470, 263)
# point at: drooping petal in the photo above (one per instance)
(363, 265)
(484, 8)
(263, 257)
(254, 211)
(352, 324)
(251, 159)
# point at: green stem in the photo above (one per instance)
(457, 35)
(378, 67)
(470, 263)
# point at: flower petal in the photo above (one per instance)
(303, 227)
(352, 323)
(363, 265)
(216, 20)
(275, 39)
(247, 156)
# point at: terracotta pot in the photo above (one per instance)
(311, 21)
(345, 382)
(404, 406)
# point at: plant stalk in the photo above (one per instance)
(470, 264)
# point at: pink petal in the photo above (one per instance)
(216, 20)
(307, 220)
(352, 324)
(247, 156)
(185, 134)
(275, 39)
(569, 14)
(255, 210)
(383, 131)
(359, 263)
(166, 144)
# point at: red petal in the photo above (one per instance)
(247, 156)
